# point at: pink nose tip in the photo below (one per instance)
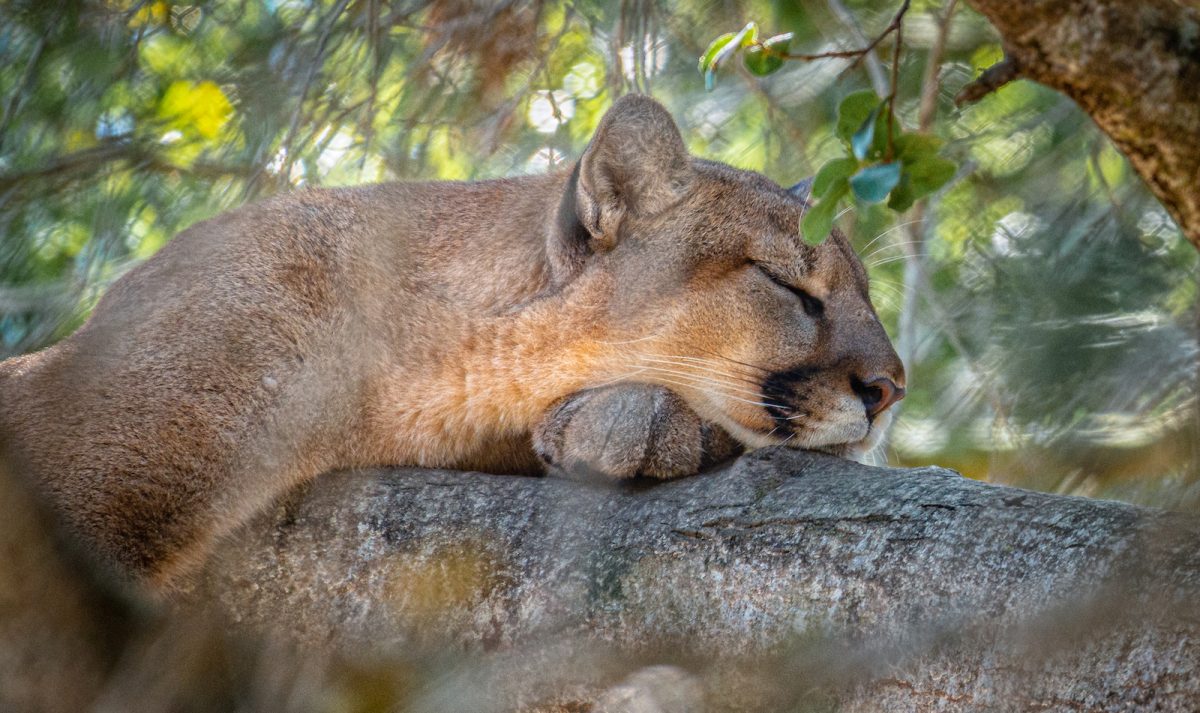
(879, 394)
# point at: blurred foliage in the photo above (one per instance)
(1046, 306)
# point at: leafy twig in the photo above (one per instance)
(898, 26)
(858, 54)
(874, 68)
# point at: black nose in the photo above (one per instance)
(878, 394)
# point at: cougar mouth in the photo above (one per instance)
(786, 399)
(809, 415)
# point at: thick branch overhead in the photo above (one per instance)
(1134, 67)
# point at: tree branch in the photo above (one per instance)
(1132, 66)
(992, 78)
(877, 587)
(788, 581)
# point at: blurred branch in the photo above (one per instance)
(84, 163)
(992, 78)
(931, 83)
(20, 91)
(310, 75)
(914, 244)
(70, 165)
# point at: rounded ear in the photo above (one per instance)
(635, 164)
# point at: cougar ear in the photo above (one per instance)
(636, 164)
(802, 190)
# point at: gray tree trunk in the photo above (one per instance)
(786, 582)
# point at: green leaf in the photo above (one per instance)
(749, 34)
(929, 174)
(714, 47)
(836, 171)
(722, 49)
(707, 68)
(923, 176)
(761, 63)
(853, 111)
(902, 197)
(818, 220)
(873, 183)
(913, 146)
(763, 60)
(860, 142)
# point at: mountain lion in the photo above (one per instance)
(642, 313)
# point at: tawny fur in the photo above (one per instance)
(437, 324)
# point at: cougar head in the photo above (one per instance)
(708, 288)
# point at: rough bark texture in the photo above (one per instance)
(784, 579)
(1134, 67)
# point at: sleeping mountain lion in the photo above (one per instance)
(643, 312)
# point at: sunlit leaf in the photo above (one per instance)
(151, 13)
(722, 49)
(710, 54)
(200, 108)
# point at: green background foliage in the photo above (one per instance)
(1046, 306)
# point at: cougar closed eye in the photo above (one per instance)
(813, 306)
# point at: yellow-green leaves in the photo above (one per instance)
(760, 58)
(881, 162)
(195, 108)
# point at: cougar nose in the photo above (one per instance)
(878, 394)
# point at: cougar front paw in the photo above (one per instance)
(629, 430)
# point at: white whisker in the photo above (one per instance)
(891, 246)
(710, 392)
(714, 382)
(699, 365)
(616, 379)
(629, 341)
(887, 232)
(885, 261)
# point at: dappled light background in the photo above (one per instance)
(1045, 305)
